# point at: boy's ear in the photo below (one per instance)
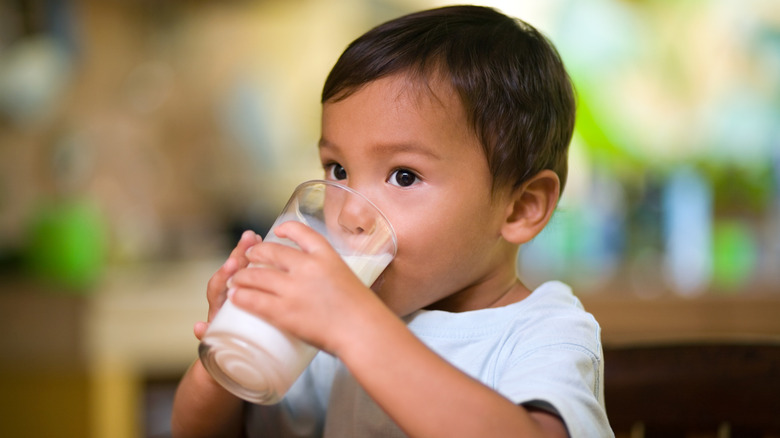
(530, 207)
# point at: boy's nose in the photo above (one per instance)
(356, 216)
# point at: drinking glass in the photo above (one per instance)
(253, 359)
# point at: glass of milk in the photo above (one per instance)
(253, 359)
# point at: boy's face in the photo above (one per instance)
(412, 152)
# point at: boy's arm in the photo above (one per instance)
(202, 408)
(425, 395)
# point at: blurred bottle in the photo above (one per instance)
(688, 230)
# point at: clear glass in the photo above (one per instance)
(258, 362)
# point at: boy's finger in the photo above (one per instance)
(248, 239)
(306, 238)
(217, 284)
(200, 329)
(236, 260)
(274, 254)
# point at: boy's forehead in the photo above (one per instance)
(396, 114)
(425, 86)
(407, 92)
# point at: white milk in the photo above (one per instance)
(257, 356)
(367, 267)
(259, 361)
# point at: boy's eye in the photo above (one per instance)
(336, 171)
(403, 178)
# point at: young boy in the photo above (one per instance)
(455, 122)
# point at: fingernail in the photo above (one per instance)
(229, 282)
(231, 292)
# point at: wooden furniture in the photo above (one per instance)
(704, 367)
(686, 390)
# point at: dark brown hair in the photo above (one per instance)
(512, 83)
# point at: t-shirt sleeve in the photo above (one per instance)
(562, 378)
(554, 361)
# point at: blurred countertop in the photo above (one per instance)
(144, 315)
(630, 320)
(141, 319)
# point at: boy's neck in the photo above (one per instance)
(516, 293)
(491, 293)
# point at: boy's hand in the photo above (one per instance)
(216, 290)
(310, 292)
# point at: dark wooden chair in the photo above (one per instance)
(693, 390)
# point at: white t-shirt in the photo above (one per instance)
(543, 351)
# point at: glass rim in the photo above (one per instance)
(325, 182)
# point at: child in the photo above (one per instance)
(455, 122)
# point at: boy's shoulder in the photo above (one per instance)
(551, 310)
(553, 313)
(550, 324)
(554, 297)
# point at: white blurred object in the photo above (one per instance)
(33, 73)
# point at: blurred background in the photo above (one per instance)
(139, 138)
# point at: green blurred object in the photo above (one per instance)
(67, 246)
(736, 255)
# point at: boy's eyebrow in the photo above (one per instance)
(390, 148)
